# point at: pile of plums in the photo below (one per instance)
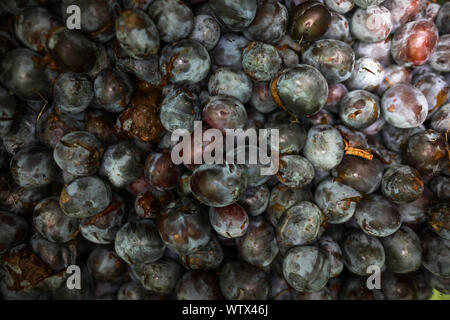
(94, 206)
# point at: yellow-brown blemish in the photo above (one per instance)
(366, 154)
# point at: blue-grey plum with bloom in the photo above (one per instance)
(361, 251)
(377, 216)
(228, 51)
(173, 19)
(282, 198)
(161, 172)
(337, 200)
(78, 153)
(359, 109)
(33, 167)
(395, 138)
(206, 30)
(394, 74)
(332, 248)
(231, 82)
(440, 120)
(185, 62)
(139, 242)
(440, 186)
(51, 222)
(33, 25)
(440, 60)
(404, 106)
(299, 225)
(261, 98)
(372, 24)
(289, 57)
(435, 89)
(292, 136)
(258, 246)
(103, 227)
(295, 171)
(122, 163)
(225, 112)
(269, 24)
(367, 74)
(218, 185)
(333, 58)
(261, 61)
(255, 199)
(113, 90)
(436, 254)
(234, 14)
(324, 147)
(439, 219)
(306, 268)
(402, 184)
(339, 28)
(25, 78)
(403, 251)
(179, 109)
(300, 90)
(184, 227)
(85, 197)
(426, 151)
(104, 265)
(72, 92)
(230, 221)
(161, 276)
(137, 34)
(443, 17)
